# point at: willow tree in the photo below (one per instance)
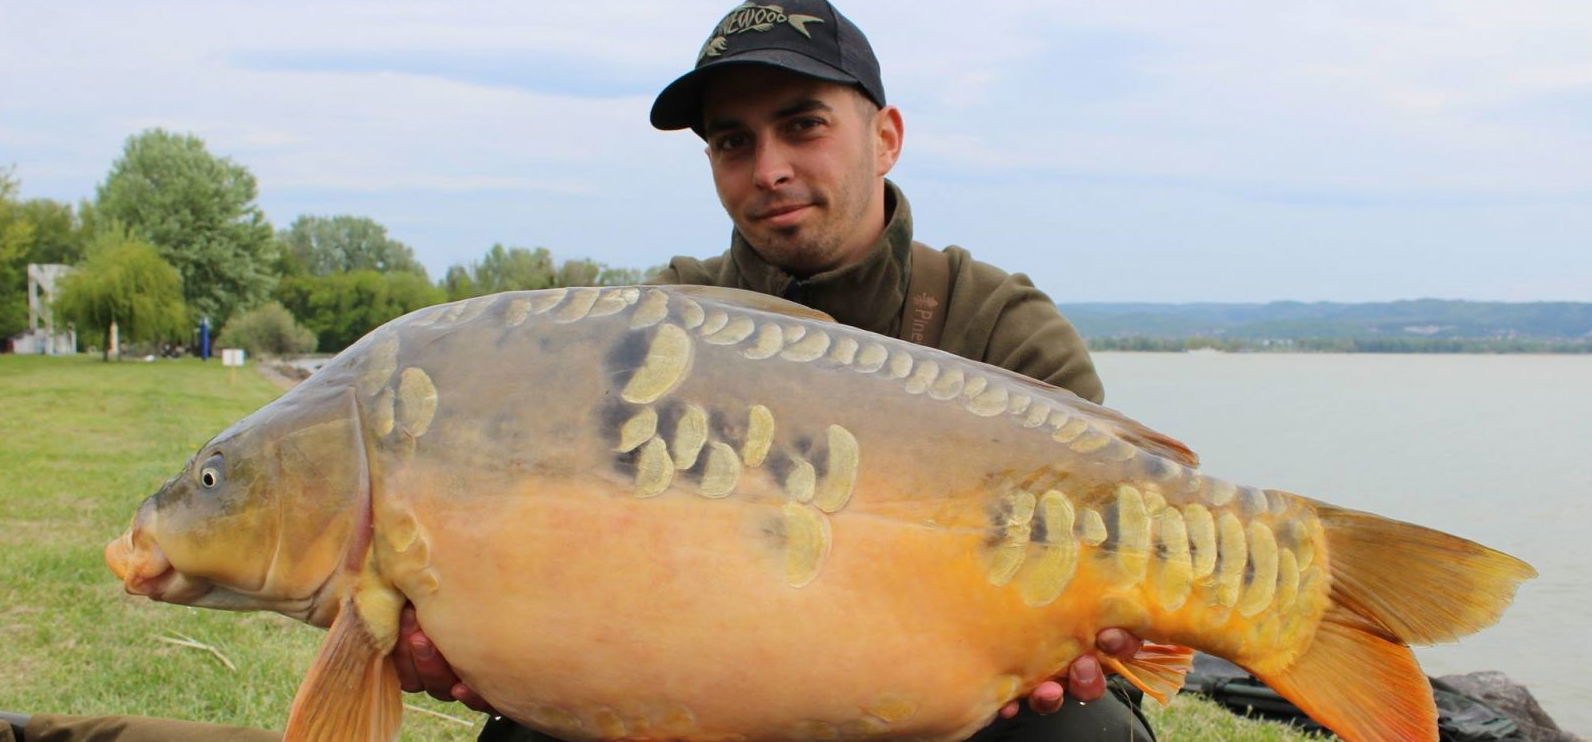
(124, 281)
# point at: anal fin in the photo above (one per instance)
(1157, 669)
(351, 693)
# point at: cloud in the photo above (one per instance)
(1149, 131)
(1394, 101)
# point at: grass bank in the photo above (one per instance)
(81, 443)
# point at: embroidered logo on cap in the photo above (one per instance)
(750, 16)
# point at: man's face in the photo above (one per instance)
(799, 164)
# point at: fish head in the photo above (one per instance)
(265, 516)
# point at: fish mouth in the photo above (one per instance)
(119, 554)
(145, 570)
(142, 567)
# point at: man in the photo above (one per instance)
(799, 139)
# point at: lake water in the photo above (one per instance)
(1497, 449)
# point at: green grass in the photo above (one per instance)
(82, 442)
(1195, 718)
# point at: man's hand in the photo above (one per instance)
(422, 668)
(1086, 680)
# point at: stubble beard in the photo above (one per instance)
(818, 245)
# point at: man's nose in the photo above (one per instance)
(772, 167)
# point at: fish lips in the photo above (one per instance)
(144, 570)
(143, 567)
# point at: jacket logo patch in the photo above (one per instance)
(923, 307)
(750, 16)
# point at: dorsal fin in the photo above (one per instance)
(1121, 425)
(1150, 440)
(751, 300)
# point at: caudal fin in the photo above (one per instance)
(1393, 584)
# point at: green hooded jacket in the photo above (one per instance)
(993, 316)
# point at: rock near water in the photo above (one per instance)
(1512, 700)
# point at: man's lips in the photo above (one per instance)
(782, 215)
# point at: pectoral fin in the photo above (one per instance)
(1157, 669)
(351, 692)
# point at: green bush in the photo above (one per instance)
(267, 329)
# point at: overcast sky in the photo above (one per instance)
(1225, 150)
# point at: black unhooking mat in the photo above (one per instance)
(1460, 718)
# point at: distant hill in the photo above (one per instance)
(1432, 325)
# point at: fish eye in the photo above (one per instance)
(210, 473)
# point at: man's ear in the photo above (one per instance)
(888, 131)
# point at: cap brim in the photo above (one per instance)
(679, 106)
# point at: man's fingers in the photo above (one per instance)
(403, 660)
(1085, 680)
(1118, 643)
(422, 668)
(435, 673)
(1046, 699)
(463, 694)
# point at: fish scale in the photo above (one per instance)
(703, 514)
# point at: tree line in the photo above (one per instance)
(1339, 344)
(174, 234)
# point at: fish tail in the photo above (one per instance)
(1393, 584)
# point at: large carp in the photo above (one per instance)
(700, 514)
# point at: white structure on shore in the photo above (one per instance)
(42, 336)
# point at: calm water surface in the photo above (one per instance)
(1497, 449)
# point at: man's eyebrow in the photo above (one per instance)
(807, 105)
(715, 125)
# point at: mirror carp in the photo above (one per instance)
(704, 514)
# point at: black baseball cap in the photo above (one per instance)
(808, 37)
